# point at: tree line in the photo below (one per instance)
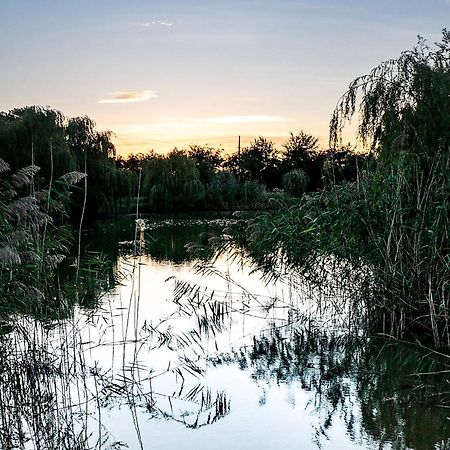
(194, 178)
(205, 178)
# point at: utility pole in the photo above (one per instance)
(239, 157)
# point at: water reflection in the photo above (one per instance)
(374, 387)
(174, 358)
(162, 239)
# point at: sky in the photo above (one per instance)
(166, 73)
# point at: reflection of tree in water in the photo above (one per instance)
(44, 399)
(386, 391)
(163, 239)
(400, 406)
(50, 398)
(369, 384)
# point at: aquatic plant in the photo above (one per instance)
(405, 121)
(387, 233)
(31, 245)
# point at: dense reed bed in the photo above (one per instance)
(387, 233)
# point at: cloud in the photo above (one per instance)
(129, 96)
(245, 119)
(154, 23)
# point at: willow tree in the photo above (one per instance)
(35, 135)
(403, 107)
(389, 231)
(172, 183)
(207, 161)
(94, 151)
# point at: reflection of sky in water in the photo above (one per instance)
(264, 414)
(284, 421)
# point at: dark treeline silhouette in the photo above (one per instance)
(205, 178)
(195, 178)
(57, 145)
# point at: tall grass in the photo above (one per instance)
(388, 232)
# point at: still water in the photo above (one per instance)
(182, 355)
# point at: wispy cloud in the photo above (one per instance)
(245, 119)
(154, 23)
(129, 96)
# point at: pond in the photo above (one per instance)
(182, 355)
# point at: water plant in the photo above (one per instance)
(31, 245)
(387, 232)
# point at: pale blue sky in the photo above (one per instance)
(201, 71)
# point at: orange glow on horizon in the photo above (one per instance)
(220, 132)
(229, 144)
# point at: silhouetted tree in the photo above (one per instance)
(343, 164)
(300, 149)
(172, 182)
(302, 152)
(135, 161)
(94, 151)
(207, 160)
(36, 135)
(260, 162)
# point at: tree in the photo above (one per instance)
(36, 135)
(404, 104)
(46, 138)
(300, 150)
(260, 162)
(172, 182)
(343, 164)
(404, 110)
(207, 160)
(134, 162)
(301, 153)
(94, 151)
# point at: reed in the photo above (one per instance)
(387, 233)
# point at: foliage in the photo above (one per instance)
(31, 246)
(388, 231)
(46, 138)
(295, 181)
(405, 121)
(207, 160)
(301, 152)
(36, 136)
(257, 162)
(172, 182)
(343, 164)
(197, 177)
(226, 193)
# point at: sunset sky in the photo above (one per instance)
(170, 73)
